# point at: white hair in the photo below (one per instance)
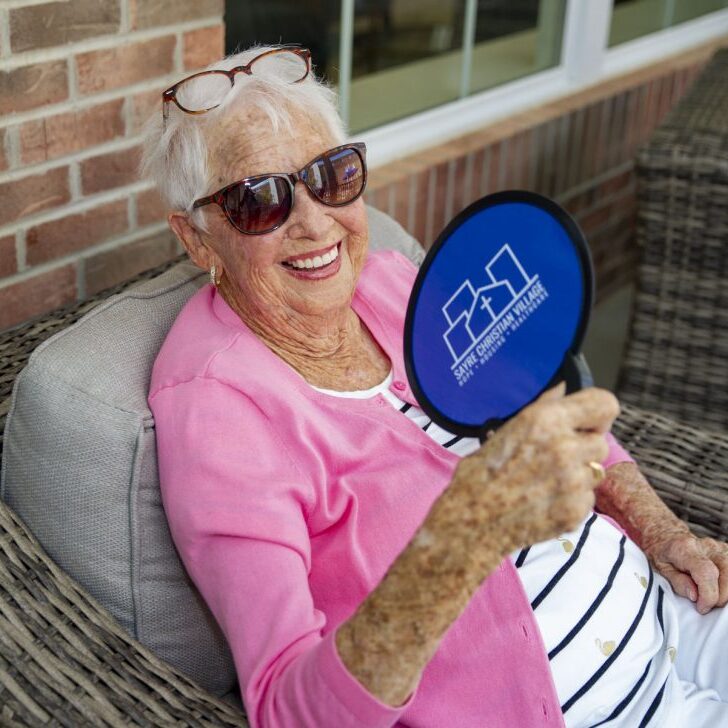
(175, 155)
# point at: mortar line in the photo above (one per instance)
(76, 207)
(115, 145)
(21, 250)
(31, 272)
(104, 42)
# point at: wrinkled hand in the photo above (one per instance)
(697, 568)
(531, 480)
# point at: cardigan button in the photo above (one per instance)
(401, 386)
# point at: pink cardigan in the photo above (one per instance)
(287, 507)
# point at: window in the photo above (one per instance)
(634, 18)
(406, 56)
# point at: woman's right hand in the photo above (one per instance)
(527, 483)
(531, 480)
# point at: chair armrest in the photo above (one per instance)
(64, 660)
(687, 466)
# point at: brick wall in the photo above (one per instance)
(77, 80)
(578, 150)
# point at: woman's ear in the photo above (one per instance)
(192, 240)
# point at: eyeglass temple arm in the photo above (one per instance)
(210, 199)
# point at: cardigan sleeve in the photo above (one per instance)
(617, 454)
(236, 505)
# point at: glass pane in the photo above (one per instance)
(515, 39)
(408, 56)
(313, 24)
(634, 18)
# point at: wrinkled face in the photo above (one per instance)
(263, 271)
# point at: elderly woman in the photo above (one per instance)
(366, 567)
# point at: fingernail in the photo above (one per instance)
(703, 610)
(692, 595)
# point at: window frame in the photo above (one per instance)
(585, 61)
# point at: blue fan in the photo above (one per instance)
(498, 311)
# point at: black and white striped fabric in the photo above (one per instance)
(601, 610)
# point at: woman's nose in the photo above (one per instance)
(309, 217)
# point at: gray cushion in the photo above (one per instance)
(79, 466)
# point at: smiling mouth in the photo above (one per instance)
(316, 260)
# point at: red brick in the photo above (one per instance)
(628, 140)
(430, 192)
(32, 194)
(439, 202)
(458, 188)
(61, 134)
(144, 105)
(519, 179)
(58, 23)
(3, 157)
(31, 86)
(421, 184)
(8, 259)
(150, 208)
(479, 185)
(381, 198)
(150, 13)
(106, 171)
(37, 295)
(616, 212)
(203, 46)
(592, 221)
(125, 65)
(401, 201)
(110, 267)
(506, 158)
(75, 232)
(494, 168)
(615, 184)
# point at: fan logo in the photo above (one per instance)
(480, 320)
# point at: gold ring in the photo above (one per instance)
(598, 470)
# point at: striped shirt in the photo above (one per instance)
(601, 610)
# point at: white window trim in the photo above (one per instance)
(585, 62)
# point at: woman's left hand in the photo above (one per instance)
(697, 568)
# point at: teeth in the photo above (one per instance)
(318, 261)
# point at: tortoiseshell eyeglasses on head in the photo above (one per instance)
(206, 90)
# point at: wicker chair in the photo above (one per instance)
(64, 661)
(677, 357)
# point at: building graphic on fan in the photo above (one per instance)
(479, 319)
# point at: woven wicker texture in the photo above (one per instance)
(65, 662)
(677, 358)
(686, 466)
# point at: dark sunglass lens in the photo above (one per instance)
(336, 178)
(260, 205)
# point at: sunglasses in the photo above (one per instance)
(261, 204)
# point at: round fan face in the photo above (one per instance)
(500, 304)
